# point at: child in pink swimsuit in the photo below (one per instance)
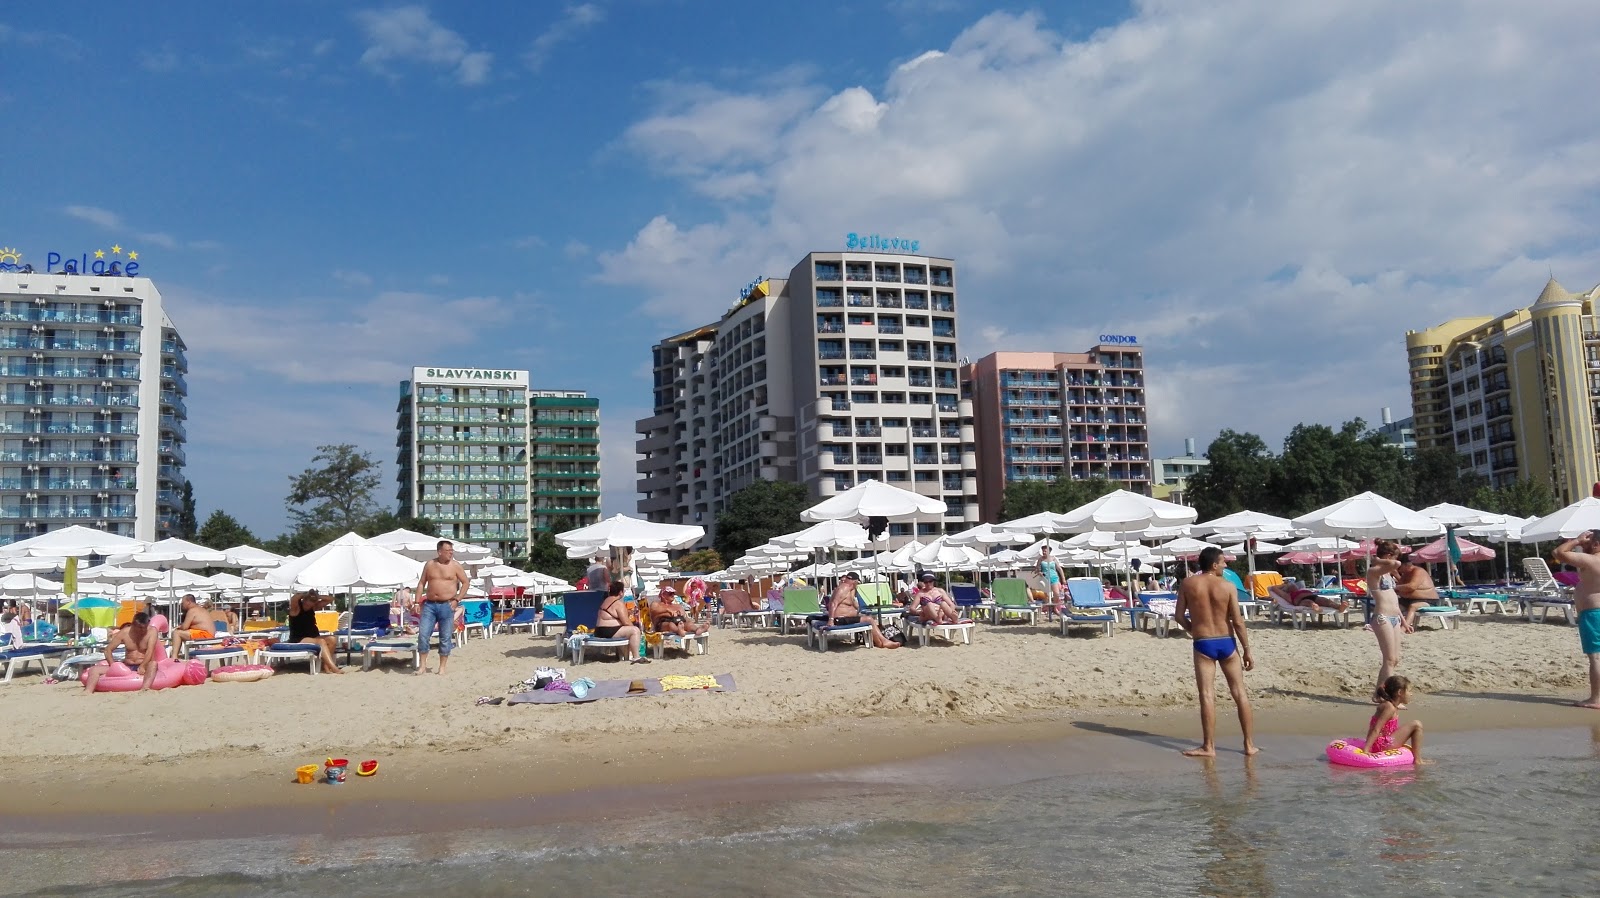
(1384, 731)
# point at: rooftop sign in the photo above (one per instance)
(1123, 339)
(115, 262)
(485, 376)
(880, 244)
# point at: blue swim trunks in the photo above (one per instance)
(1217, 648)
(1589, 630)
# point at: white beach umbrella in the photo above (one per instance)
(24, 564)
(941, 555)
(251, 557)
(1032, 552)
(623, 532)
(1368, 515)
(1124, 511)
(1320, 544)
(27, 584)
(175, 579)
(1452, 515)
(1259, 546)
(172, 553)
(1247, 523)
(75, 541)
(348, 562)
(828, 534)
(989, 535)
(1036, 523)
(820, 569)
(874, 499)
(423, 547)
(112, 574)
(1182, 547)
(1564, 524)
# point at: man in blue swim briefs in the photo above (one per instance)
(1208, 606)
(1583, 553)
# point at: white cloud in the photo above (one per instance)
(163, 60)
(410, 34)
(1269, 194)
(349, 278)
(574, 20)
(111, 221)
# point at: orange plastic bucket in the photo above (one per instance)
(305, 774)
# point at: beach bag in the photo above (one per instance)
(893, 633)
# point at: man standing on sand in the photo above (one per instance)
(1586, 599)
(443, 584)
(1208, 606)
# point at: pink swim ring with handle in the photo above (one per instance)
(1353, 753)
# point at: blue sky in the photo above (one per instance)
(1268, 194)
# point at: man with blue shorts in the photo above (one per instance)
(443, 584)
(1583, 553)
(1208, 606)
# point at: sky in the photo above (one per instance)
(1267, 194)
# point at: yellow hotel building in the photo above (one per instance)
(1515, 395)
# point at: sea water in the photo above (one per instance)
(1504, 812)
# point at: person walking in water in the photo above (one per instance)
(1208, 606)
(1583, 554)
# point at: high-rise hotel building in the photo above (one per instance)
(92, 384)
(842, 372)
(490, 460)
(1060, 416)
(1517, 395)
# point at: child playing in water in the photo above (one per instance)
(1384, 731)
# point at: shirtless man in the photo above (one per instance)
(616, 621)
(140, 645)
(666, 615)
(1583, 554)
(844, 608)
(1416, 590)
(1208, 606)
(195, 622)
(933, 605)
(444, 581)
(1310, 598)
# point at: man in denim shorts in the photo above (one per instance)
(443, 584)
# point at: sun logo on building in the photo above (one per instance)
(10, 259)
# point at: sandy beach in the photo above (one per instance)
(231, 745)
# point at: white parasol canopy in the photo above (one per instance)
(940, 555)
(348, 562)
(422, 547)
(1452, 515)
(1564, 524)
(623, 532)
(20, 584)
(1124, 511)
(828, 534)
(874, 499)
(172, 553)
(251, 557)
(1368, 515)
(76, 541)
(990, 535)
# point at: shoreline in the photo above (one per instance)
(501, 786)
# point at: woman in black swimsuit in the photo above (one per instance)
(303, 608)
(615, 621)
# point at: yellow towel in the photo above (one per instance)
(675, 681)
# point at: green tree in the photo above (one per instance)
(1523, 498)
(547, 556)
(223, 531)
(1437, 476)
(335, 493)
(187, 524)
(760, 511)
(703, 561)
(386, 520)
(1238, 477)
(1026, 497)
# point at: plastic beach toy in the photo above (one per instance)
(367, 768)
(1353, 753)
(334, 770)
(305, 774)
(241, 673)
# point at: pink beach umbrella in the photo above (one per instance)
(1439, 550)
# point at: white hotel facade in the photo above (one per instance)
(844, 371)
(93, 389)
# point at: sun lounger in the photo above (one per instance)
(1011, 600)
(819, 632)
(949, 632)
(799, 604)
(555, 618)
(42, 654)
(583, 610)
(1160, 609)
(526, 617)
(388, 646)
(735, 607)
(693, 644)
(1446, 615)
(970, 601)
(1543, 593)
(1087, 605)
(218, 654)
(292, 651)
(477, 615)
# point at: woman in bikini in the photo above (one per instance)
(1387, 621)
(615, 621)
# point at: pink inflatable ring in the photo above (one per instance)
(1352, 753)
(241, 673)
(122, 678)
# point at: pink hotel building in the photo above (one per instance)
(1059, 415)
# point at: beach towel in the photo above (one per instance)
(619, 689)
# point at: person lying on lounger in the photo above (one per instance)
(1306, 598)
(667, 616)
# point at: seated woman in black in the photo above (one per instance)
(303, 608)
(615, 621)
